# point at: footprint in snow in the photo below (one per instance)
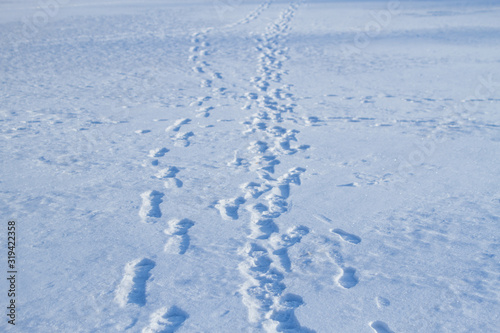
(158, 152)
(150, 208)
(168, 172)
(380, 327)
(347, 237)
(382, 302)
(347, 278)
(228, 208)
(179, 239)
(166, 320)
(182, 139)
(132, 288)
(178, 124)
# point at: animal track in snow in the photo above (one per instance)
(150, 208)
(345, 236)
(179, 240)
(166, 320)
(132, 288)
(380, 327)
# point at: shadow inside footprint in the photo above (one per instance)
(380, 327)
(166, 321)
(141, 270)
(348, 278)
(347, 236)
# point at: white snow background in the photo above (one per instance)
(251, 166)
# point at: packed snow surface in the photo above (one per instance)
(251, 166)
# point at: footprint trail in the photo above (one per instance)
(132, 288)
(380, 327)
(265, 254)
(150, 208)
(345, 236)
(166, 320)
(179, 240)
